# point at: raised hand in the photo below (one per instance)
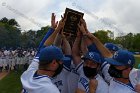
(61, 24)
(84, 23)
(53, 21)
(82, 29)
(79, 33)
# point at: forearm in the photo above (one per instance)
(84, 47)
(58, 40)
(50, 31)
(66, 47)
(76, 51)
(51, 39)
(103, 50)
(76, 47)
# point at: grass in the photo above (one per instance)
(11, 83)
(137, 62)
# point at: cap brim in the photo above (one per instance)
(114, 62)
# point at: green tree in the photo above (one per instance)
(104, 36)
(13, 22)
(9, 34)
(136, 42)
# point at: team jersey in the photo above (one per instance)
(104, 72)
(83, 82)
(1, 62)
(134, 76)
(72, 79)
(61, 81)
(118, 87)
(33, 83)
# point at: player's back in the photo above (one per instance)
(34, 83)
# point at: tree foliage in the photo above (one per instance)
(11, 36)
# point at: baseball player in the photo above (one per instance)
(37, 78)
(1, 63)
(88, 70)
(57, 81)
(121, 65)
(94, 45)
(62, 81)
(4, 61)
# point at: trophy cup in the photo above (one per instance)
(72, 19)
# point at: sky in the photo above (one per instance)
(119, 16)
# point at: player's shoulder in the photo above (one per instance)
(102, 85)
(133, 76)
(121, 87)
(101, 81)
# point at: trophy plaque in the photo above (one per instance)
(72, 19)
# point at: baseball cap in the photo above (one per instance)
(50, 53)
(111, 46)
(122, 58)
(93, 56)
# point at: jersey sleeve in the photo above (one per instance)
(67, 64)
(34, 65)
(79, 68)
(104, 71)
(41, 45)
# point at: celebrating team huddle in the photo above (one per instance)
(82, 66)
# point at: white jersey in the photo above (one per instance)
(33, 83)
(83, 82)
(61, 81)
(118, 87)
(4, 61)
(72, 81)
(65, 80)
(1, 62)
(134, 76)
(104, 72)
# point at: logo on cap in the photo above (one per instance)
(116, 54)
(129, 62)
(91, 54)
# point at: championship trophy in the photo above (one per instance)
(72, 19)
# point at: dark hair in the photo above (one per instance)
(44, 64)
